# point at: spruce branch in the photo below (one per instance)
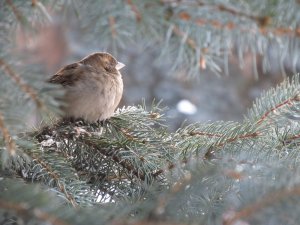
(58, 180)
(23, 210)
(231, 26)
(126, 142)
(42, 8)
(55, 169)
(192, 44)
(229, 140)
(125, 137)
(31, 204)
(10, 143)
(123, 148)
(260, 20)
(16, 11)
(135, 10)
(275, 101)
(113, 154)
(158, 16)
(219, 134)
(24, 87)
(268, 200)
(288, 102)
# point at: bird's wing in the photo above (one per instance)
(69, 74)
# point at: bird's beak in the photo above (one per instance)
(120, 65)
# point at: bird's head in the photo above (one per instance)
(103, 61)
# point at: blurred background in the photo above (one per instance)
(205, 97)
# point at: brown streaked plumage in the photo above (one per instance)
(93, 85)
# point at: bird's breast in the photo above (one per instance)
(94, 100)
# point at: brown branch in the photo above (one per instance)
(261, 20)
(169, 168)
(192, 44)
(135, 10)
(34, 3)
(278, 31)
(189, 41)
(56, 177)
(284, 103)
(293, 137)
(130, 137)
(17, 13)
(10, 144)
(246, 136)
(210, 149)
(194, 133)
(111, 153)
(40, 6)
(228, 26)
(112, 26)
(24, 209)
(262, 203)
(24, 87)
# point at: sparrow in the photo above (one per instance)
(93, 87)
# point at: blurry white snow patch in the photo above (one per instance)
(47, 143)
(186, 107)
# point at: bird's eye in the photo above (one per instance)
(109, 68)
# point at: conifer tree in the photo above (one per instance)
(130, 169)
